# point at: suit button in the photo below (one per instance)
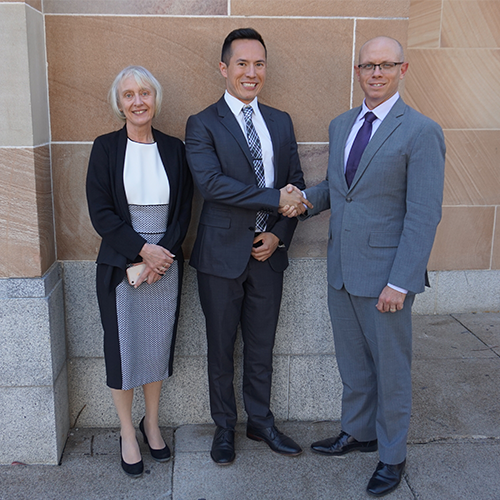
(348, 200)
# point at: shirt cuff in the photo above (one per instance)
(401, 290)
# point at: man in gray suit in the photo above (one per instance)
(242, 154)
(385, 204)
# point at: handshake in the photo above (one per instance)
(292, 201)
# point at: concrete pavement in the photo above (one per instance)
(453, 452)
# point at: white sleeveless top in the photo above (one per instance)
(144, 177)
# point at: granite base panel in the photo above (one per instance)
(33, 374)
(304, 366)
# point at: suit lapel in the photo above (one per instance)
(340, 143)
(391, 122)
(229, 121)
(274, 132)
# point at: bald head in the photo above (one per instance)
(384, 43)
(381, 67)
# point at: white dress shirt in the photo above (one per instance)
(236, 106)
(380, 112)
(144, 177)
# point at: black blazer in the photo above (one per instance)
(222, 167)
(108, 205)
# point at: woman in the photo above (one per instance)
(139, 193)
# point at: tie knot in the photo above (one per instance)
(247, 112)
(370, 117)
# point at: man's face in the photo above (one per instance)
(377, 85)
(246, 72)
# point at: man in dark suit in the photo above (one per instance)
(241, 153)
(385, 204)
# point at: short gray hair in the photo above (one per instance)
(144, 78)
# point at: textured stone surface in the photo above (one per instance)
(486, 327)
(33, 333)
(28, 427)
(320, 8)
(137, 7)
(458, 102)
(463, 239)
(495, 257)
(37, 67)
(76, 238)
(17, 130)
(315, 388)
(425, 23)
(468, 291)
(83, 321)
(472, 167)
(26, 215)
(78, 85)
(470, 24)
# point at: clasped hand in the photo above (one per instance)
(292, 201)
(157, 260)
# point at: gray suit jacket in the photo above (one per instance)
(382, 228)
(222, 167)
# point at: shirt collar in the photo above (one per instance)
(382, 110)
(235, 105)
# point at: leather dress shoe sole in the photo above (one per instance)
(385, 479)
(276, 440)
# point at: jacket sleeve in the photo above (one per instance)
(114, 230)
(213, 183)
(284, 226)
(424, 196)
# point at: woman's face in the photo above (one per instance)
(136, 102)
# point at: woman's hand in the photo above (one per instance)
(156, 258)
(148, 276)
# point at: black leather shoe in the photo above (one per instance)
(342, 444)
(162, 455)
(222, 452)
(275, 439)
(385, 479)
(132, 470)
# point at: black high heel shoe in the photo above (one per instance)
(132, 470)
(162, 455)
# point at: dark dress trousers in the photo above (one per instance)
(235, 288)
(110, 216)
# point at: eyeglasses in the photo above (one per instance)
(384, 67)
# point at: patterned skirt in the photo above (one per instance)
(146, 315)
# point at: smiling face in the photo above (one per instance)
(379, 86)
(245, 73)
(137, 102)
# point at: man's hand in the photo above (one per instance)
(270, 243)
(390, 300)
(292, 202)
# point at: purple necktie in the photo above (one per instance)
(358, 146)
